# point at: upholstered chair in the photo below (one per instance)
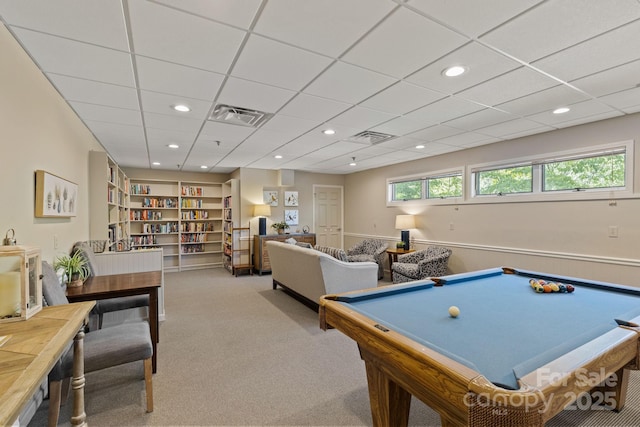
(369, 250)
(430, 262)
(109, 304)
(103, 348)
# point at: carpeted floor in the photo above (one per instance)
(234, 352)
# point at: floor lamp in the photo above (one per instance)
(404, 222)
(262, 211)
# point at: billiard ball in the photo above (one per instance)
(570, 288)
(454, 311)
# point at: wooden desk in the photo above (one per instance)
(394, 252)
(34, 346)
(123, 285)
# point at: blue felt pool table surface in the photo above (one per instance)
(505, 329)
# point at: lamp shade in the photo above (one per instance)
(404, 222)
(261, 210)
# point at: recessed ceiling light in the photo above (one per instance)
(156, 163)
(329, 132)
(204, 167)
(277, 156)
(419, 146)
(353, 161)
(561, 110)
(182, 108)
(454, 71)
(174, 146)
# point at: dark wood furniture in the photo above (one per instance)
(122, 285)
(261, 262)
(30, 351)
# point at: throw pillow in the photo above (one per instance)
(337, 253)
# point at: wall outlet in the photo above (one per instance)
(613, 231)
(451, 227)
(55, 241)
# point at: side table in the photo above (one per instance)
(394, 252)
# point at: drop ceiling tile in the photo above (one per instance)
(400, 126)
(507, 87)
(400, 143)
(100, 23)
(254, 96)
(361, 118)
(172, 123)
(107, 114)
(468, 139)
(556, 25)
(402, 98)
(595, 55)
(347, 21)
(481, 62)
(313, 107)
(116, 133)
(75, 89)
(160, 103)
(175, 79)
(403, 43)
(508, 128)
(151, 22)
(348, 83)
(442, 111)
(231, 12)
(619, 78)
(163, 137)
(263, 142)
(271, 62)
(63, 56)
(623, 100)
(225, 133)
(472, 18)
(289, 127)
(548, 99)
(578, 113)
(435, 132)
(479, 119)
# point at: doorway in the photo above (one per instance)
(328, 215)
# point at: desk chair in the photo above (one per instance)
(103, 348)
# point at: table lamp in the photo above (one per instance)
(404, 222)
(262, 211)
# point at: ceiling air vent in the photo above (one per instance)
(369, 137)
(239, 116)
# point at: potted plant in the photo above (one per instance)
(280, 226)
(75, 269)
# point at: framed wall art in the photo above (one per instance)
(55, 196)
(270, 197)
(291, 216)
(291, 198)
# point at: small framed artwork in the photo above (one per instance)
(270, 197)
(291, 198)
(55, 196)
(291, 216)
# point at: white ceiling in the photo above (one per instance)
(351, 65)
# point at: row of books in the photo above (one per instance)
(191, 203)
(145, 215)
(187, 190)
(169, 227)
(151, 202)
(190, 249)
(140, 189)
(195, 215)
(194, 227)
(193, 238)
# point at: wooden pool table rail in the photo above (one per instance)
(398, 367)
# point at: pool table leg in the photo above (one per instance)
(618, 388)
(390, 403)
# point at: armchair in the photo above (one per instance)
(430, 262)
(369, 250)
(103, 348)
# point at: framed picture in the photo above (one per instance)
(291, 217)
(270, 197)
(291, 198)
(55, 196)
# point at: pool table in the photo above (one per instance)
(512, 356)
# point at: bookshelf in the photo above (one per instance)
(183, 218)
(109, 221)
(231, 220)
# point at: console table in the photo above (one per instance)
(261, 262)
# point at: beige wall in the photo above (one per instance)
(38, 131)
(560, 237)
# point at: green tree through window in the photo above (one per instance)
(505, 181)
(592, 172)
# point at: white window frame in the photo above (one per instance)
(424, 176)
(536, 162)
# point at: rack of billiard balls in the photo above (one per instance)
(542, 286)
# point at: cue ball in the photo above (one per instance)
(454, 311)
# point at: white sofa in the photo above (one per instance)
(311, 273)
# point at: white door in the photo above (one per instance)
(328, 215)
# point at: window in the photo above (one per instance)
(505, 181)
(593, 172)
(438, 186)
